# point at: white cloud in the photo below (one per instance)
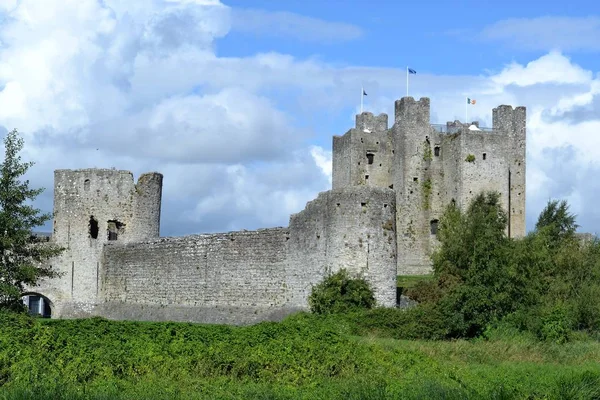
(323, 160)
(137, 85)
(114, 84)
(550, 68)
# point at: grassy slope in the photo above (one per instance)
(303, 357)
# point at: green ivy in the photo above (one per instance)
(427, 187)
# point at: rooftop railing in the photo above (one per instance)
(442, 128)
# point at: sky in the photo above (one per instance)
(236, 101)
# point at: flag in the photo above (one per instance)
(471, 101)
(411, 71)
(364, 93)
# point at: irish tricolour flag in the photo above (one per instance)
(469, 101)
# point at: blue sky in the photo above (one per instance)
(236, 102)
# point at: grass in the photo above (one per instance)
(303, 357)
(409, 281)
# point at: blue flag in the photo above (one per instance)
(364, 93)
(411, 71)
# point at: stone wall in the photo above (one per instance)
(489, 169)
(351, 228)
(341, 161)
(237, 277)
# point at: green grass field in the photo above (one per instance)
(304, 357)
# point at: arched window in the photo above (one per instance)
(37, 304)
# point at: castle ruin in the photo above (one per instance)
(390, 188)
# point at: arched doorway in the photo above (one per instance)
(37, 304)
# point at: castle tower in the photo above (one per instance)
(512, 124)
(413, 182)
(93, 207)
(363, 156)
(431, 166)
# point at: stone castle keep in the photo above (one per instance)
(390, 188)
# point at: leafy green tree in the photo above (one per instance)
(556, 222)
(479, 276)
(23, 261)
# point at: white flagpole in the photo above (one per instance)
(466, 110)
(362, 95)
(407, 81)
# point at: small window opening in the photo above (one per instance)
(391, 186)
(366, 177)
(434, 226)
(370, 158)
(361, 140)
(484, 156)
(436, 151)
(86, 185)
(415, 179)
(114, 228)
(363, 204)
(359, 163)
(337, 204)
(380, 165)
(384, 205)
(93, 227)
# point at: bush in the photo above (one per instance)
(340, 293)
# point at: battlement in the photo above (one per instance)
(509, 120)
(409, 109)
(367, 122)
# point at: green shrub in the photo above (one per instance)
(556, 325)
(340, 293)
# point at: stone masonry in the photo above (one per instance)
(390, 187)
(429, 166)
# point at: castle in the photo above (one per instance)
(390, 188)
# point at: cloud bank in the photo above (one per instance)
(244, 142)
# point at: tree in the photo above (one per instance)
(556, 222)
(23, 262)
(478, 276)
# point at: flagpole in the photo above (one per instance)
(407, 81)
(362, 95)
(466, 110)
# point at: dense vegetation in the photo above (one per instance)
(547, 283)
(341, 293)
(306, 356)
(512, 319)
